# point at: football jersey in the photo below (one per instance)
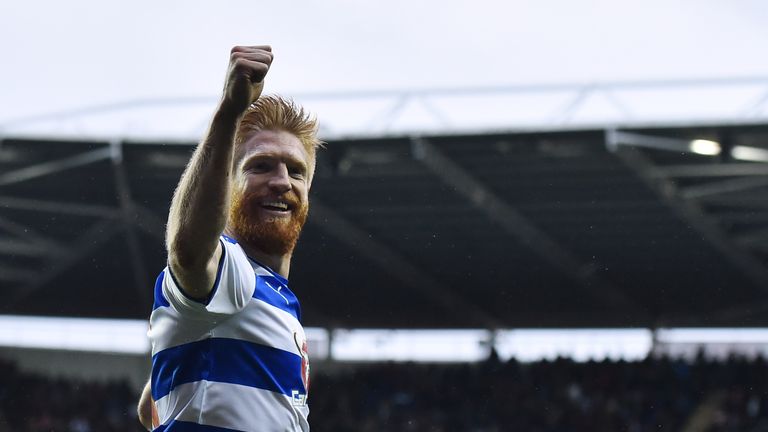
(236, 362)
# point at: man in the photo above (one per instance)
(228, 350)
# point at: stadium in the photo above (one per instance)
(539, 256)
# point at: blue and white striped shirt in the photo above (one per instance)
(237, 362)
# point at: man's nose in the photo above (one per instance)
(280, 180)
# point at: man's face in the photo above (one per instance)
(270, 191)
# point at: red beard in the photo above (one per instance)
(273, 236)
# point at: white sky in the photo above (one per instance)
(63, 56)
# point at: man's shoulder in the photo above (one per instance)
(233, 251)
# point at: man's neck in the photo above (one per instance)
(281, 264)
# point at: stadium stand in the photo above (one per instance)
(492, 396)
(519, 230)
(570, 229)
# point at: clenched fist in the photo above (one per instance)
(248, 65)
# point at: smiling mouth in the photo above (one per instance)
(276, 206)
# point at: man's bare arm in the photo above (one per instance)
(144, 410)
(200, 204)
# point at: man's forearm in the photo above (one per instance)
(144, 409)
(200, 204)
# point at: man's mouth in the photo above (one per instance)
(276, 206)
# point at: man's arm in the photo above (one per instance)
(144, 409)
(200, 204)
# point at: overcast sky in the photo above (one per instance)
(61, 56)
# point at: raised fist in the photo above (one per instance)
(248, 65)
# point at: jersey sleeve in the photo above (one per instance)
(233, 288)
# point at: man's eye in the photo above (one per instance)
(259, 167)
(296, 173)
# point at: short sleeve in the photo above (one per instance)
(232, 290)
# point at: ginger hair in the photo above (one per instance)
(273, 112)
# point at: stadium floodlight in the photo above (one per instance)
(705, 147)
(751, 154)
(615, 138)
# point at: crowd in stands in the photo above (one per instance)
(557, 396)
(34, 403)
(741, 388)
(494, 396)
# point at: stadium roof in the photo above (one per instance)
(493, 163)
(582, 228)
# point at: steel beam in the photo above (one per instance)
(711, 170)
(621, 95)
(142, 217)
(141, 281)
(30, 235)
(616, 139)
(619, 138)
(59, 207)
(51, 167)
(410, 275)
(689, 211)
(23, 248)
(519, 227)
(89, 242)
(722, 187)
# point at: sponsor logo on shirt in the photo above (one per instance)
(298, 397)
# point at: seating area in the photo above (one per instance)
(35, 403)
(493, 396)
